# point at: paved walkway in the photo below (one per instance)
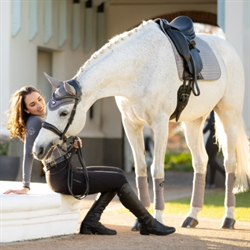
(207, 235)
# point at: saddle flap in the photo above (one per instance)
(198, 65)
(180, 43)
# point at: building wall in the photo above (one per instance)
(117, 15)
(5, 29)
(45, 31)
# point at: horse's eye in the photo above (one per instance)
(64, 113)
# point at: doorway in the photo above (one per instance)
(44, 64)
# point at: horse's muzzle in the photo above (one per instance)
(40, 152)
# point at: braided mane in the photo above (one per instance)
(110, 44)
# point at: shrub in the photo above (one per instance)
(4, 144)
(178, 161)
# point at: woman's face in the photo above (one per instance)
(35, 104)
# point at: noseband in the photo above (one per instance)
(54, 129)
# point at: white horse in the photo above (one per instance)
(138, 67)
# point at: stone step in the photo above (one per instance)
(39, 214)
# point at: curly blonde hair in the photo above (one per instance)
(17, 117)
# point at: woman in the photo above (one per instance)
(26, 115)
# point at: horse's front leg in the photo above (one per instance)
(135, 136)
(195, 142)
(160, 128)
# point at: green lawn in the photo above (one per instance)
(213, 206)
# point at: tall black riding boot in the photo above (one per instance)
(91, 223)
(148, 225)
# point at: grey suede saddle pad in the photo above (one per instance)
(211, 68)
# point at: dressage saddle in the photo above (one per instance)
(181, 32)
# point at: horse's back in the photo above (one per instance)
(223, 50)
(158, 82)
(230, 63)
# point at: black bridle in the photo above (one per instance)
(54, 129)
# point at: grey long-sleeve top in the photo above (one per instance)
(33, 126)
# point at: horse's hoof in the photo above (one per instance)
(228, 223)
(136, 226)
(189, 222)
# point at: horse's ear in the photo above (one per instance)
(54, 82)
(69, 88)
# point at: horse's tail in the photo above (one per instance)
(242, 174)
(243, 160)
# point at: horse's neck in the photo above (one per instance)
(105, 79)
(118, 69)
(111, 74)
(102, 80)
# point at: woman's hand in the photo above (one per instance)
(75, 144)
(17, 191)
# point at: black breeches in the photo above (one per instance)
(212, 150)
(211, 147)
(101, 179)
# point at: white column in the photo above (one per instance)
(237, 30)
(5, 35)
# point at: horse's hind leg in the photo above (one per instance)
(227, 136)
(195, 142)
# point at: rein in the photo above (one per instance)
(72, 150)
(71, 173)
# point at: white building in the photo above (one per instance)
(59, 36)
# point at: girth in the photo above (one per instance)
(181, 32)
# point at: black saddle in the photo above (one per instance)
(181, 32)
(185, 25)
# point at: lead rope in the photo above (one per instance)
(71, 172)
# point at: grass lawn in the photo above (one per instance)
(213, 206)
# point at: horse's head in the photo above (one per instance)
(63, 118)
